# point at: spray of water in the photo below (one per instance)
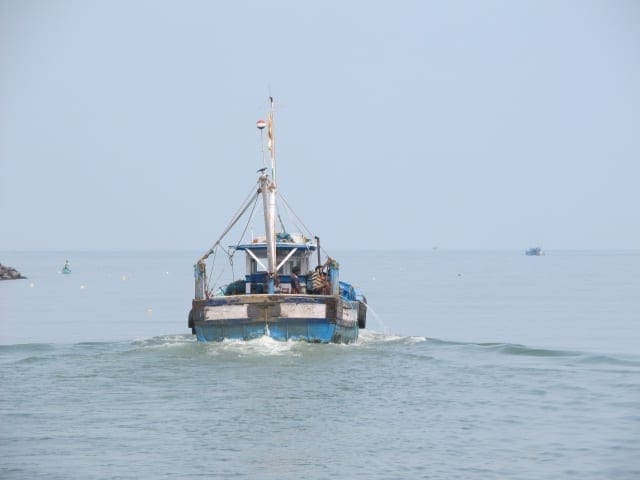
(381, 324)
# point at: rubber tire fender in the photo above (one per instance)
(362, 313)
(190, 322)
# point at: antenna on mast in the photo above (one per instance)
(271, 140)
(261, 124)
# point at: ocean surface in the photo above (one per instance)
(474, 365)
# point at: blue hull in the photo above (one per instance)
(315, 319)
(307, 330)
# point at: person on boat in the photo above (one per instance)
(295, 280)
(320, 282)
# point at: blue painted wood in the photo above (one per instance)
(316, 330)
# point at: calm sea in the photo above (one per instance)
(473, 366)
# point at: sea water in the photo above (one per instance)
(474, 365)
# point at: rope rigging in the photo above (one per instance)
(250, 202)
(305, 228)
(236, 217)
(231, 251)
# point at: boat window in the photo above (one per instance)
(295, 263)
(256, 267)
(288, 267)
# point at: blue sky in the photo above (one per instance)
(462, 125)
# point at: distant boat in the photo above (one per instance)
(281, 295)
(67, 268)
(534, 252)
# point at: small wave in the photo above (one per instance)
(519, 350)
(26, 353)
(580, 357)
(368, 337)
(516, 349)
(609, 360)
(165, 341)
(92, 344)
(33, 360)
(507, 348)
(26, 347)
(39, 353)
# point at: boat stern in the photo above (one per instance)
(311, 318)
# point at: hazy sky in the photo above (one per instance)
(458, 124)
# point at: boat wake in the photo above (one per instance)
(512, 349)
(186, 345)
(263, 346)
(368, 337)
(267, 346)
(501, 349)
(165, 341)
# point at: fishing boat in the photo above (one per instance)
(282, 295)
(534, 252)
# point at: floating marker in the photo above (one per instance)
(31, 285)
(261, 124)
(81, 287)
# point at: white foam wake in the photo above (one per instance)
(262, 346)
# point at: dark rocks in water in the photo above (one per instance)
(8, 273)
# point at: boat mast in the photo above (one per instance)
(271, 140)
(268, 189)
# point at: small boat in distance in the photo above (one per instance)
(67, 268)
(282, 295)
(534, 252)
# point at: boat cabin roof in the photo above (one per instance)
(279, 246)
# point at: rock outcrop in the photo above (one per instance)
(8, 273)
